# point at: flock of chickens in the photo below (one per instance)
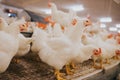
(66, 41)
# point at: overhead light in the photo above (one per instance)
(75, 7)
(112, 29)
(106, 19)
(102, 25)
(46, 11)
(118, 25)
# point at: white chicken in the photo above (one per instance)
(81, 52)
(61, 17)
(24, 45)
(57, 31)
(105, 36)
(57, 49)
(35, 45)
(5, 27)
(105, 48)
(9, 45)
(61, 49)
(95, 29)
(115, 40)
(8, 49)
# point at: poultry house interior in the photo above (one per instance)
(60, 40)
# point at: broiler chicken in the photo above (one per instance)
(8, 49)
(9, 44)
(61, 49)
(80, 52)
(61, 17)
(12, 29)
(105, 48)
(24, 45)
(5, 27)
(57, 49)
(116, 42)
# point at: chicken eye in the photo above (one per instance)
(87, 21)
(95, 51)
(23, 25)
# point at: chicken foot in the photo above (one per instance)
(116, 57)
(101, 63)
(68, 69)
(107, 61)
(98, 67)
(94, 63)
(59, 75)
(73, 65)
(16, 60)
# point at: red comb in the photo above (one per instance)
(100, 50)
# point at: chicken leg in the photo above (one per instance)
(68, 69)
(16, 60)
(101, 63)
(117, 57)
(73, 65)
(59, 75)
(107, 61)
(94, 63)
(98, 67)
(97, 53)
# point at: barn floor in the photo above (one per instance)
(30, 67)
